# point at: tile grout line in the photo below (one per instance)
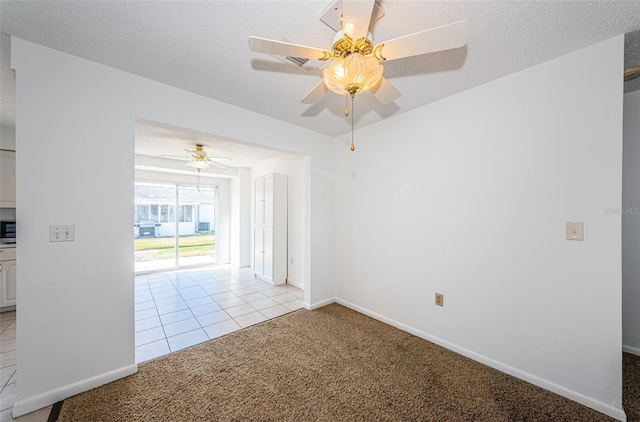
(189, 308)
(230, 279)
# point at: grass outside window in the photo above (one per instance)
(152, 248)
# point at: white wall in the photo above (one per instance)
(296, 194)
(631, 225)
(241, 215)
(469, 196)
(76, 120)
(223, 226)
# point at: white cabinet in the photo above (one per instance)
(7, 277)
(270, 228)
(7, 179)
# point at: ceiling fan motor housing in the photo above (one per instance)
(343, 45)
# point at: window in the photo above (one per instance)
(142, 212)
(153, 212)
(146, 213)
(185, 213)
(164, 213)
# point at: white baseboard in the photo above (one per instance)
(317, 305)
(632, 350)
(295, 284)
(30, 404)
(609, 410)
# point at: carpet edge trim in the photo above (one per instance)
(55, 411)
(601, 407)
(47, 398)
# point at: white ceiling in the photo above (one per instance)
(201, 46)
(157, 140)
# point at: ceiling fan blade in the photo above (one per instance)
(225, 159)
(385, 92)
(443, 37)
(356, 16)
(218, 165)
(315, 94)
(281, 48)
(175, 156)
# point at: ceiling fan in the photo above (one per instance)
(355, 60)
(199, 159)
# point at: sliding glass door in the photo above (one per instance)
(196, 216)
(174, 226)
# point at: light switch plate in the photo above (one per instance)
(62, 233)
(575, 230)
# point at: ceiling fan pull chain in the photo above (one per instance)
(346, 105)
(353, 147)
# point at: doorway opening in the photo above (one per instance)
(175, 226)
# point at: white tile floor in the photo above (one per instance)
(174, 311)
(180, 309)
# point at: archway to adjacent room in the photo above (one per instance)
(194, 235)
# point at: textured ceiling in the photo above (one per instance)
(201, 46)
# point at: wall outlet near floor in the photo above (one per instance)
(575, 230)
(291, 260)
(62, 233)
(439, 299)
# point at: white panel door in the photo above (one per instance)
(259, 250)
(268, 201)
(268, 253)
(258, 199)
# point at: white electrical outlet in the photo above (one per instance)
(574, 230)
(62, 233)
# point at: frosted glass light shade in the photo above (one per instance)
(198, 165)
(352, 75)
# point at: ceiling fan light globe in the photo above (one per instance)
(352, 75)
(198, 165)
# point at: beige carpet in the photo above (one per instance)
(331, 364)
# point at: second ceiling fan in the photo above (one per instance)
(199, 159)
(355, 60)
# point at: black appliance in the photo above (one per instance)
(7, 231)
